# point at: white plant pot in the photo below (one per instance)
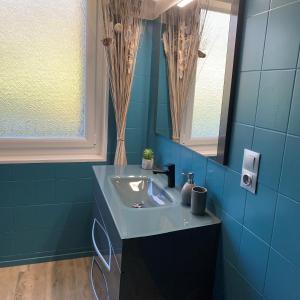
(147, 164)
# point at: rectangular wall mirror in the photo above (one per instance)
(205, 121)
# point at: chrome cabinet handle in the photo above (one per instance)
(106, 264)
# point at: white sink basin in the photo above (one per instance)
(141, 192)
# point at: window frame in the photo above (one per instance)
(92, 147)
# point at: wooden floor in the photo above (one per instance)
(59, 280)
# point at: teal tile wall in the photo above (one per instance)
(46, 209)
(259, 245)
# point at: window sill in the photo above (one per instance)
(51, 159)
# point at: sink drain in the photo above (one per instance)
(137, 205)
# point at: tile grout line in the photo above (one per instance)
(278, 188)
(270, 245)
(275, 8)
(269, 70)
(255, 121)
(281, 170)
(240, 274)
(286, 259)
(260, 78)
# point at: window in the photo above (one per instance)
(204, 112)
(49, 98)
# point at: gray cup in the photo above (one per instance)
(198, 200)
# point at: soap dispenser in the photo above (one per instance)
(187, 189)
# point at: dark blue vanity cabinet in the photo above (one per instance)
(175, 265)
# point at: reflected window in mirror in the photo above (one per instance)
(207, 113)
(202, 119)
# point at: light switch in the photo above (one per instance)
(250, 170)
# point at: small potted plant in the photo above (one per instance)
(148, 159)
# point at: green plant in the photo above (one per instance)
(148, 154)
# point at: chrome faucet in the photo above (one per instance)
(170, 172)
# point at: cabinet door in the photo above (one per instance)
(102, 244)
(98, 281)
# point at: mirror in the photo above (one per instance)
(205, 124)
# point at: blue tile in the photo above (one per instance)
(276, 3)
(270, 145)
(74, 190)
(178, 154)
(6, 248)
(163, 89)
(274, 100)
(294, 124)
(236, 288)
(215, 181)
(134, 158)
(140, 89)
(199, 168)
(6, 196)
(6, 220)
(164, 131)
(44, 192)
(260, 211)
(283, 37)
(289, 183)
(254, 34)
(286, 229)
(74, 170)
(186, 157)
(5, 172)
(69, 239)
(183, 162)
(161, 151)
(37, 242)
(234, 197)
(137, 113)
(143, 62)
(33, 192)
(33, 171)
(246, 100)
(282, 281)
(253, 259)
(168, 151)
(145, 45)
(241, 138)
(53, 217)
(253, 7)
(134, 139)
(231, 238)
(50, 217)
(23, 192)
(191, 162)
(163, 121)
(110, 158)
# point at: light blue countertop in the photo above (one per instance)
(132, 223)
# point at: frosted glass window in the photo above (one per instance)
(210, 77)
(42, 68)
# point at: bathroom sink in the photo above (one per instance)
(141, 192)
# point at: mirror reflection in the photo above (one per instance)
(195, 63)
